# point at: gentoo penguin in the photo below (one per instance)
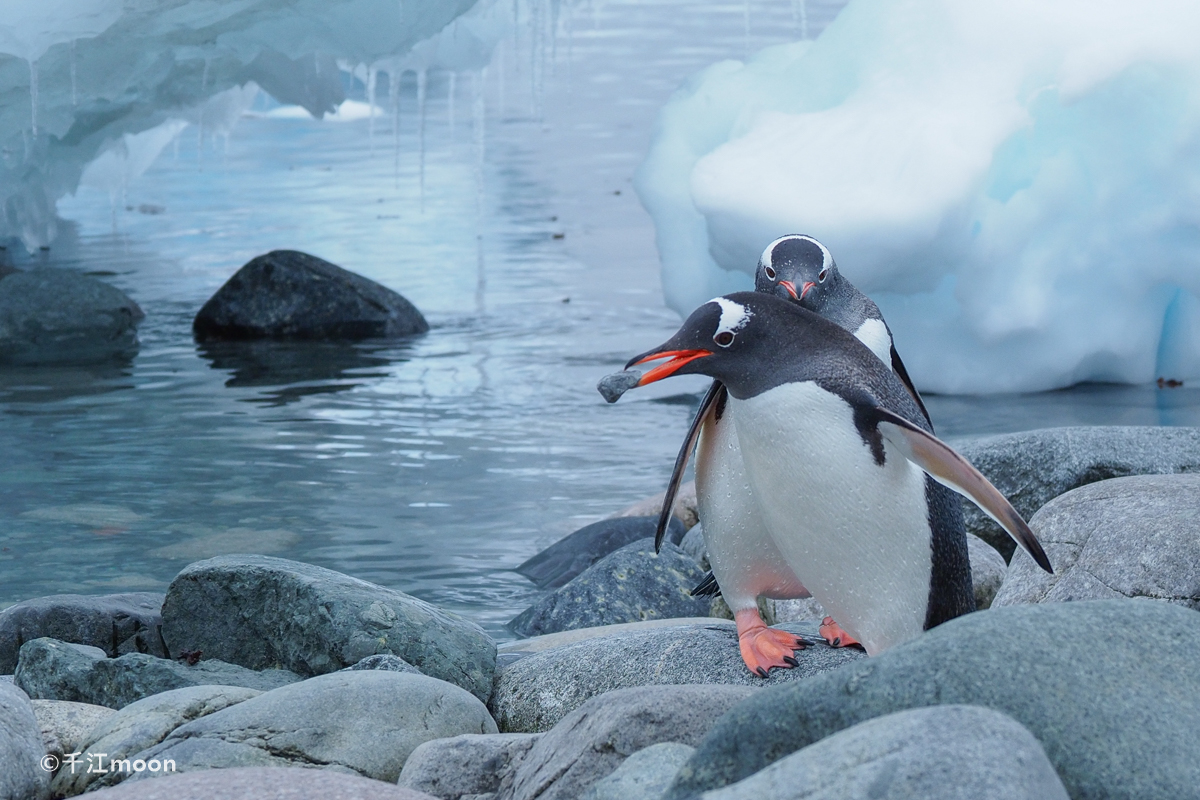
(850, 482)
(738, 546)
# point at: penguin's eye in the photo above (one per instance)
(823, 275)
(770, 273)
(723, 339)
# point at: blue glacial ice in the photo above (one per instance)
(1015, 182)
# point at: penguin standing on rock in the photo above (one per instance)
(849, 483)
(801, 269)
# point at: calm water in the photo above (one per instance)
(435, 465)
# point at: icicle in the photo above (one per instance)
(501, 49)
(394, 97)
(450, 101)
(477, 131)
(746, 27)
(421, 134)
(33, 95)
(74, 102)
(200, 121)
(372, 75)
(800, 17)
(536, 55)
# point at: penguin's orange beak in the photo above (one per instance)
(791, 288)
(678, 359)
(808, 285)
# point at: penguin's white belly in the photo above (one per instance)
(743, 555)
(854, 532)
(874, 334)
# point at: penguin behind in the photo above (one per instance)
(843, 466)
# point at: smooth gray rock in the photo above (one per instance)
(950, 752)
(367, 721)
(644, 775)
(571, 555)
(1109, 687)
(286, 294)
(21, 774)
(988, 570)
(116, 623)
(467, 765)
(270, 783)
(386, 661)
(260, 612)
(55, 316)
(535, 692)
(53, 670)
(592, 741)
(65, 725)
(693, 544)
(632, 584)
(141, 725)
(1126, 537)
(1033, 467)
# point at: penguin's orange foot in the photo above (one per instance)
(836, 635)
(764, 648)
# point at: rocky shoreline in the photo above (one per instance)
(258, 676)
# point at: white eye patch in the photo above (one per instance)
(734, 316)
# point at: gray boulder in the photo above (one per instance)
(287, 294)
(1115, 711)
(260, 612)
(116, 623)
(54, 316)
(466, 766)
(630, 585)
(535, 692)
(571, 555)
(54, 670)
(386, 661)
(141, 725)
(683, 509)
(1033, 467)
(592, 741)
(1126, 537)
(693, 544)
(65, 725)
(951, 752)
(988, 570)
(22, 776)
(645, 774)
(271, 783)
(367, 721)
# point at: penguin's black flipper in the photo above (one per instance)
(902, 374)
(664, 516)
(952, 470)
(707, 587)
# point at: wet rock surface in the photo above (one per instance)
(571, 555)
(1103, 701)
(65, 726)
(286, 294)
(1126, 537)
(261, 612)
(647, 773)
(272, 783)
(116, 623)
(467, 765)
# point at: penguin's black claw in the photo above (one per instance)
(791, 661)
(762, 673)
(802, 643)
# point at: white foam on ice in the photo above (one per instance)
(1015, 182)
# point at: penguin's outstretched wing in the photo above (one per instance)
(902, 374)
(707, 587)
(689, 443)
(950, 469)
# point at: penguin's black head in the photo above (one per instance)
(797, 268)
(729, 338)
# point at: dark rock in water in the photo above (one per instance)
(260, 783)
(617, 384)
(260, 612)
(54, 316)
(21, 774)
(287, 294)
(116, 623)
(1109, 687)
(367, 721)
(593, 740)
(951, 752)
(53, 670)
(536, 691)
(1033, 467)
(630, 585)
(571, 555)
(468, 765)
(387, 662)
(1126, 537)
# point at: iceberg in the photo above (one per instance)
(107, 84)
(1016, 183)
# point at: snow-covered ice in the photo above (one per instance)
(1015, 182)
